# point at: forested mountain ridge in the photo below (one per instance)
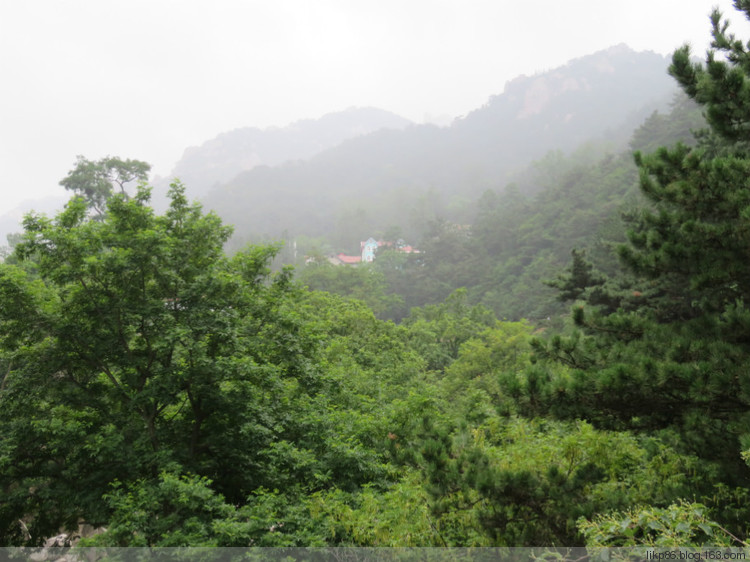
(397, 177)
(520, 236)
(220, 159)
(409, 174)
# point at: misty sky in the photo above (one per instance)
(147, 78)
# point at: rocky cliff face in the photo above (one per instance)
(559, 109)
(583, 75)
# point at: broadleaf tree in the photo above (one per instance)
(98, 180)
(135, 347)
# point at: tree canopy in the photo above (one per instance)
(97, 181)
(133, 346)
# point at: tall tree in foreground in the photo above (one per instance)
(671, 355)
(132, 348)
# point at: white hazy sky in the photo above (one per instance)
(147, 78)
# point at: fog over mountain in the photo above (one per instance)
(143, 80)
(589, 97)
(602, 96)
(222, 158)
(315, 176)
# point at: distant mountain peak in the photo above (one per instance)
(228, 154)
(422, 169)
(602, 60)
(619, 49)
(608, 73)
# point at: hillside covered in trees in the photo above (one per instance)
(573, 367)
(406, 177)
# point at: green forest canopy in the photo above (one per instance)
(158, 388)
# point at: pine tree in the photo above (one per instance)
(673, 356)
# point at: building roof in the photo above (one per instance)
(349, 259)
